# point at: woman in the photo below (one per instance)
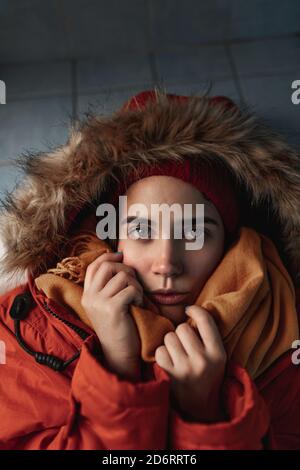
(65, 389)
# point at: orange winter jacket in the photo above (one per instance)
(55, 390)
(86, 406)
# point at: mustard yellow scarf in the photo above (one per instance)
(250, 295)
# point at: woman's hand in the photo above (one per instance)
(196, 366)
(109, 287)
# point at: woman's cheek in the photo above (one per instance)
(202, 265)
(211, 260)
(131, 255)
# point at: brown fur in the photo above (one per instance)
(101, 150)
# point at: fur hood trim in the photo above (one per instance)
(100, 151)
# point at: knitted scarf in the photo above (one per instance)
(250, 295)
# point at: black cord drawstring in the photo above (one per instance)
(18, 312)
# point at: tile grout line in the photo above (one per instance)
(150, 46)
(74, 89)
(6, 163)
(234, 71)
(163, 48)
(166, 48)
(174, 82)
(71, 60)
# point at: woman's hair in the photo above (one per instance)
(113, 242)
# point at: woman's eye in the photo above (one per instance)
(143, 232)
(140, 232)
(194, 232)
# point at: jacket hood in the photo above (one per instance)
(35, 217)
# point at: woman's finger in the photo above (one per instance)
(208, 330)
(131, 294)
(191, 342)
(107, 271)
(175, 348)
(118, 282)
(163, 358)
(93, 267)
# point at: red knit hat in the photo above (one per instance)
(212, 182)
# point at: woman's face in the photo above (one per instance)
(164, 262)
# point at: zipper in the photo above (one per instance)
(80, 331)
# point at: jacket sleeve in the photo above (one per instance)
(106, 412)
(281, 390)
(247, 422)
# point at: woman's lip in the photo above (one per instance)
(168, 299)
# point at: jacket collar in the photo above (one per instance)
(60, 315)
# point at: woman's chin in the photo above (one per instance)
(175, 313)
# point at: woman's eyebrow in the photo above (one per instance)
(131, 218)
(207, 220)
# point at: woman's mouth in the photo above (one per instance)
(168, 299)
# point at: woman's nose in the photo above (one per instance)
(167, 260)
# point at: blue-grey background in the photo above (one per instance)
(60, 58)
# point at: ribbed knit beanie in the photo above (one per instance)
(212, 181)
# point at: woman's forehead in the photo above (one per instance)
(186, 207)
(160, 188)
